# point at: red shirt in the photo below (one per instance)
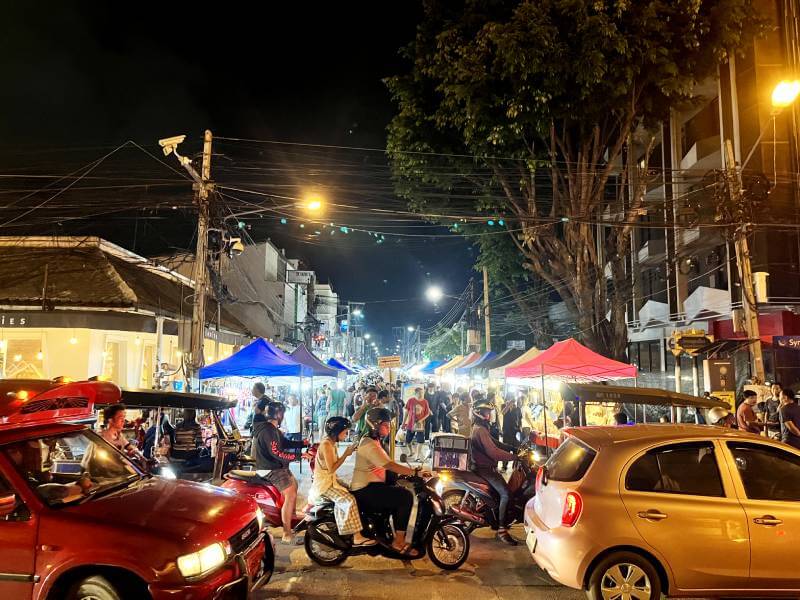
(744, 415)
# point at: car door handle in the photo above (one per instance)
(651, 515)
(767, 520)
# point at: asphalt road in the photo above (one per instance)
(493, 571)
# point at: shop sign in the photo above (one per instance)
(515, 345)
(389, 362)
(301, 277)
(791, 342)
(13, 320)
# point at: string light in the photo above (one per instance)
(39, 355)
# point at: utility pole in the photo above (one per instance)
(736, 190)
(347, 337)
(486, 310)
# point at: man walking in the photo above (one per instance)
(746, 415)
(432, 398)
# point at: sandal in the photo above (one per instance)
(366, 543)
(409, 552)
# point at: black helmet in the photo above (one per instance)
(274, 409)
(480, 405)
(376, 416)
(336, 425)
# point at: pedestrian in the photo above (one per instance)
(789, 414)
(462, 414)
(417, 412)
(337, 397)
(259, 391)
(349, 402)
(512, 425)
(321, 410)
(292, 421)
(445, 403)
(746, 416)
(768, 411)
(432, 423)
(620, 418)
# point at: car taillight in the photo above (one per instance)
(573, 506)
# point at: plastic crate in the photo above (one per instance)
(450, 451)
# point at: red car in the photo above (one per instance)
(78, 520)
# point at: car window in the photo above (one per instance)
(767, 473)
(570, 461)
(12, 508)
(688, 468)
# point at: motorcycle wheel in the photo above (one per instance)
(320, 553)
(448, 547)
(454, 498)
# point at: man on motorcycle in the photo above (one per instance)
(369, 485)
(486, 453)
(271, 451)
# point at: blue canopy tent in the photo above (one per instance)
(318, 368)
(341, 366)
(429, 368)
(257, 359)
(477, 364)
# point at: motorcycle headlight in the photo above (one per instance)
(535, 456)
(203, 561)
(260, 518)
(439, 488)
(167, 473)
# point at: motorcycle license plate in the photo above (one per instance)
(530, 541)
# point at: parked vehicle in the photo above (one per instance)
(682, 510)
(80, 521)
(268, 497)
(474, 502)
(433, 531)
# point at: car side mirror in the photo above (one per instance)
(8, 505)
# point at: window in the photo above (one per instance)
(689, 468)
(11, 507)
(767, 473)
(570, 461)
(23, 359)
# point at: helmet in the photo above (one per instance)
(376, 416)
(336, 425)
(716, 414)
(480, 405)
(275, 410)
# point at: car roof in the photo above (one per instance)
(601, 436)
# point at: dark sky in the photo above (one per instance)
(79, 79)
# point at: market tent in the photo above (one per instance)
(318, 368)
(501, 360)
(451, 369)
(500, 372)
(452, 362)
(468, 369)
(430, 367)
(572, 361)
(257, 359)
(332, 362)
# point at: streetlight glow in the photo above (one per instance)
(367, 336)
(357, 312)
(313, 202)
(785, 93)
(410, 328)
(434, 293)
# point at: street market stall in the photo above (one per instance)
(332, 362)
(440, 370)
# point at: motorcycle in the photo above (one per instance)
(471, 499)
(432, 532)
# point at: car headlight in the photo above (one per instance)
(260, 518)
(167, 473)
(203, 561)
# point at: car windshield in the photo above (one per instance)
(70, 467)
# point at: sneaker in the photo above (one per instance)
(506, 538)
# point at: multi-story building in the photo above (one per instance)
(686, 276)
(326, 306)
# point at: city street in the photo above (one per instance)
(493, 570)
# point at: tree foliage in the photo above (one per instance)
(443, 343)
(542, 111)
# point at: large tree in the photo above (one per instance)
(539, 111)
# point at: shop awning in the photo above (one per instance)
(430, 367)
(501, 360)
(319, 369)
(341, 366)
(462, 367)
(447, 365)
(528, 355)
(469, 369)
(572, 361)
(258, 359)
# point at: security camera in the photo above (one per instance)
(235, 246)
(170, 144)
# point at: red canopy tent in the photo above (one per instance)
(573, 361)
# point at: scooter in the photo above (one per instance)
(268, 497)
(471, 499)
(433, 531)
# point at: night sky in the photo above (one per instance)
(81, 79)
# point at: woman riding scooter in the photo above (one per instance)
(325, 483)
(369, 478)
(486, 453)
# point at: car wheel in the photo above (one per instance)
(624, 576)
(95, 587)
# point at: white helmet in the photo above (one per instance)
(717, 414)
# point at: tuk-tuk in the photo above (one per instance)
(223, 444)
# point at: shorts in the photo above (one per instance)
(281, 478)
(418, 436)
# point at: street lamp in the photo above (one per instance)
(357, 312)
(367, 336)
(784, 94)
(434, 293)
(313, 202)
(410, 329)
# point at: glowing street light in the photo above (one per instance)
(357, 312)
(410, 329)
(434, 293)
(313, 202)
(785, 93)
(367, 336)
